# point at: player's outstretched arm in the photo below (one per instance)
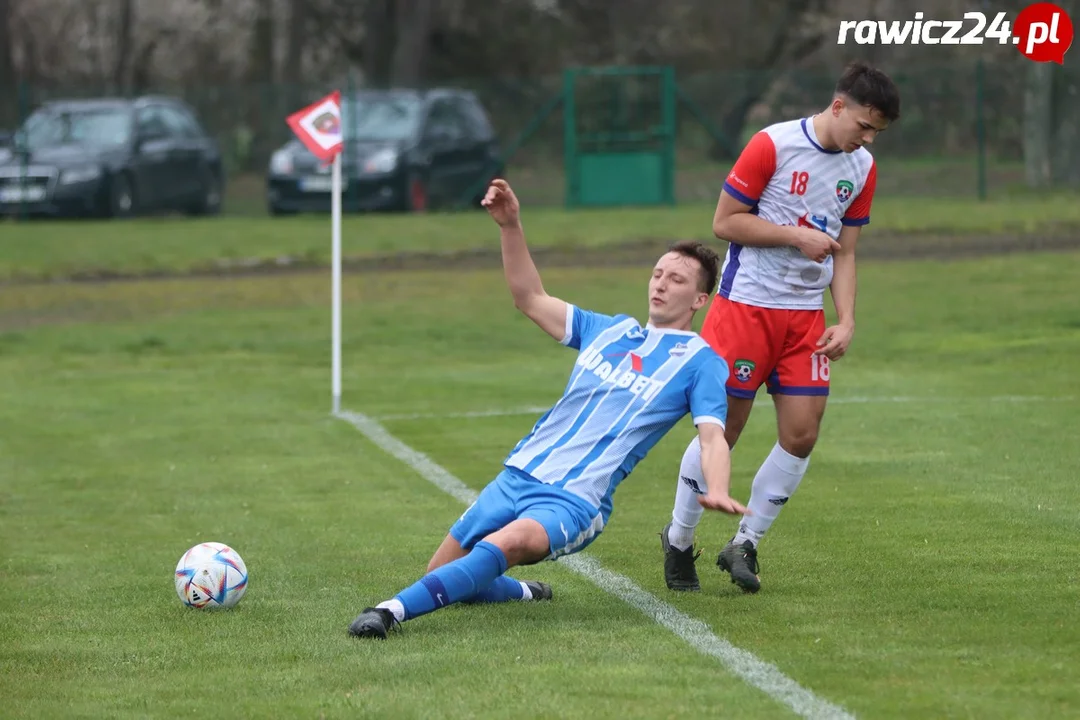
(716, 466)
(521, 274)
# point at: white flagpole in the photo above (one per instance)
(335, 220)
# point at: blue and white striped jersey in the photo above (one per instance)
(629, 386)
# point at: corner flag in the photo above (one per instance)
(318, 126)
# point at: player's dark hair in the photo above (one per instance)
(867, 85)
(710, 262)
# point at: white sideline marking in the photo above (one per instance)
(854, 400)
(472, 414)
(754, 672)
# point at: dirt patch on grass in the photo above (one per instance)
(878, 246)
(32, 303)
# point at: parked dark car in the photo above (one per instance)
(111, 158)
(406, 150)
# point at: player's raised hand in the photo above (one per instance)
(502, 204)
(834, 343)
(815, 244)
(722, 503)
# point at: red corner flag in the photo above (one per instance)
(319, 126)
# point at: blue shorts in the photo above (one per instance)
(571, 523)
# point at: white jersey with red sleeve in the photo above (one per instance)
(789, 179)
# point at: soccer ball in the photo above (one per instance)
(211, 575)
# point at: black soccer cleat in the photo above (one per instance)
(741, 561)
(679, 571)
(539, 590)
(373, 623)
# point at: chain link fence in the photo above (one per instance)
(960, 134)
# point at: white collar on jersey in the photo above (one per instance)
(671, 331)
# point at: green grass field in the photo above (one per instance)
(927, 567)
(51, 250)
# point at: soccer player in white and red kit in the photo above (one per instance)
(791, 210)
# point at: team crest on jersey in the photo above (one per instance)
(844, 190)
(679, 350)
(743, 370)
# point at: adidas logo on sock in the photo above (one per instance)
(692, 483)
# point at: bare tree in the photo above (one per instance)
(292, 71)
(124, 42)
(412, 25)
(378, 45)
(261, 62)
(9, 92)
(1038, 121)
(1066, 99)
(264, 104)
(342, 27)
(1051, 122)
(142, 67)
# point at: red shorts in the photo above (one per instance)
(768, 345)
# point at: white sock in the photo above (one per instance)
(527, 592)
(687, 511)
(395, 607)
(776, 481)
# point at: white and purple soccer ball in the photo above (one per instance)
(211, 575)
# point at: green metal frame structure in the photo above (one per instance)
(619, 136)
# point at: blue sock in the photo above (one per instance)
(454, 582)
(503, 589)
